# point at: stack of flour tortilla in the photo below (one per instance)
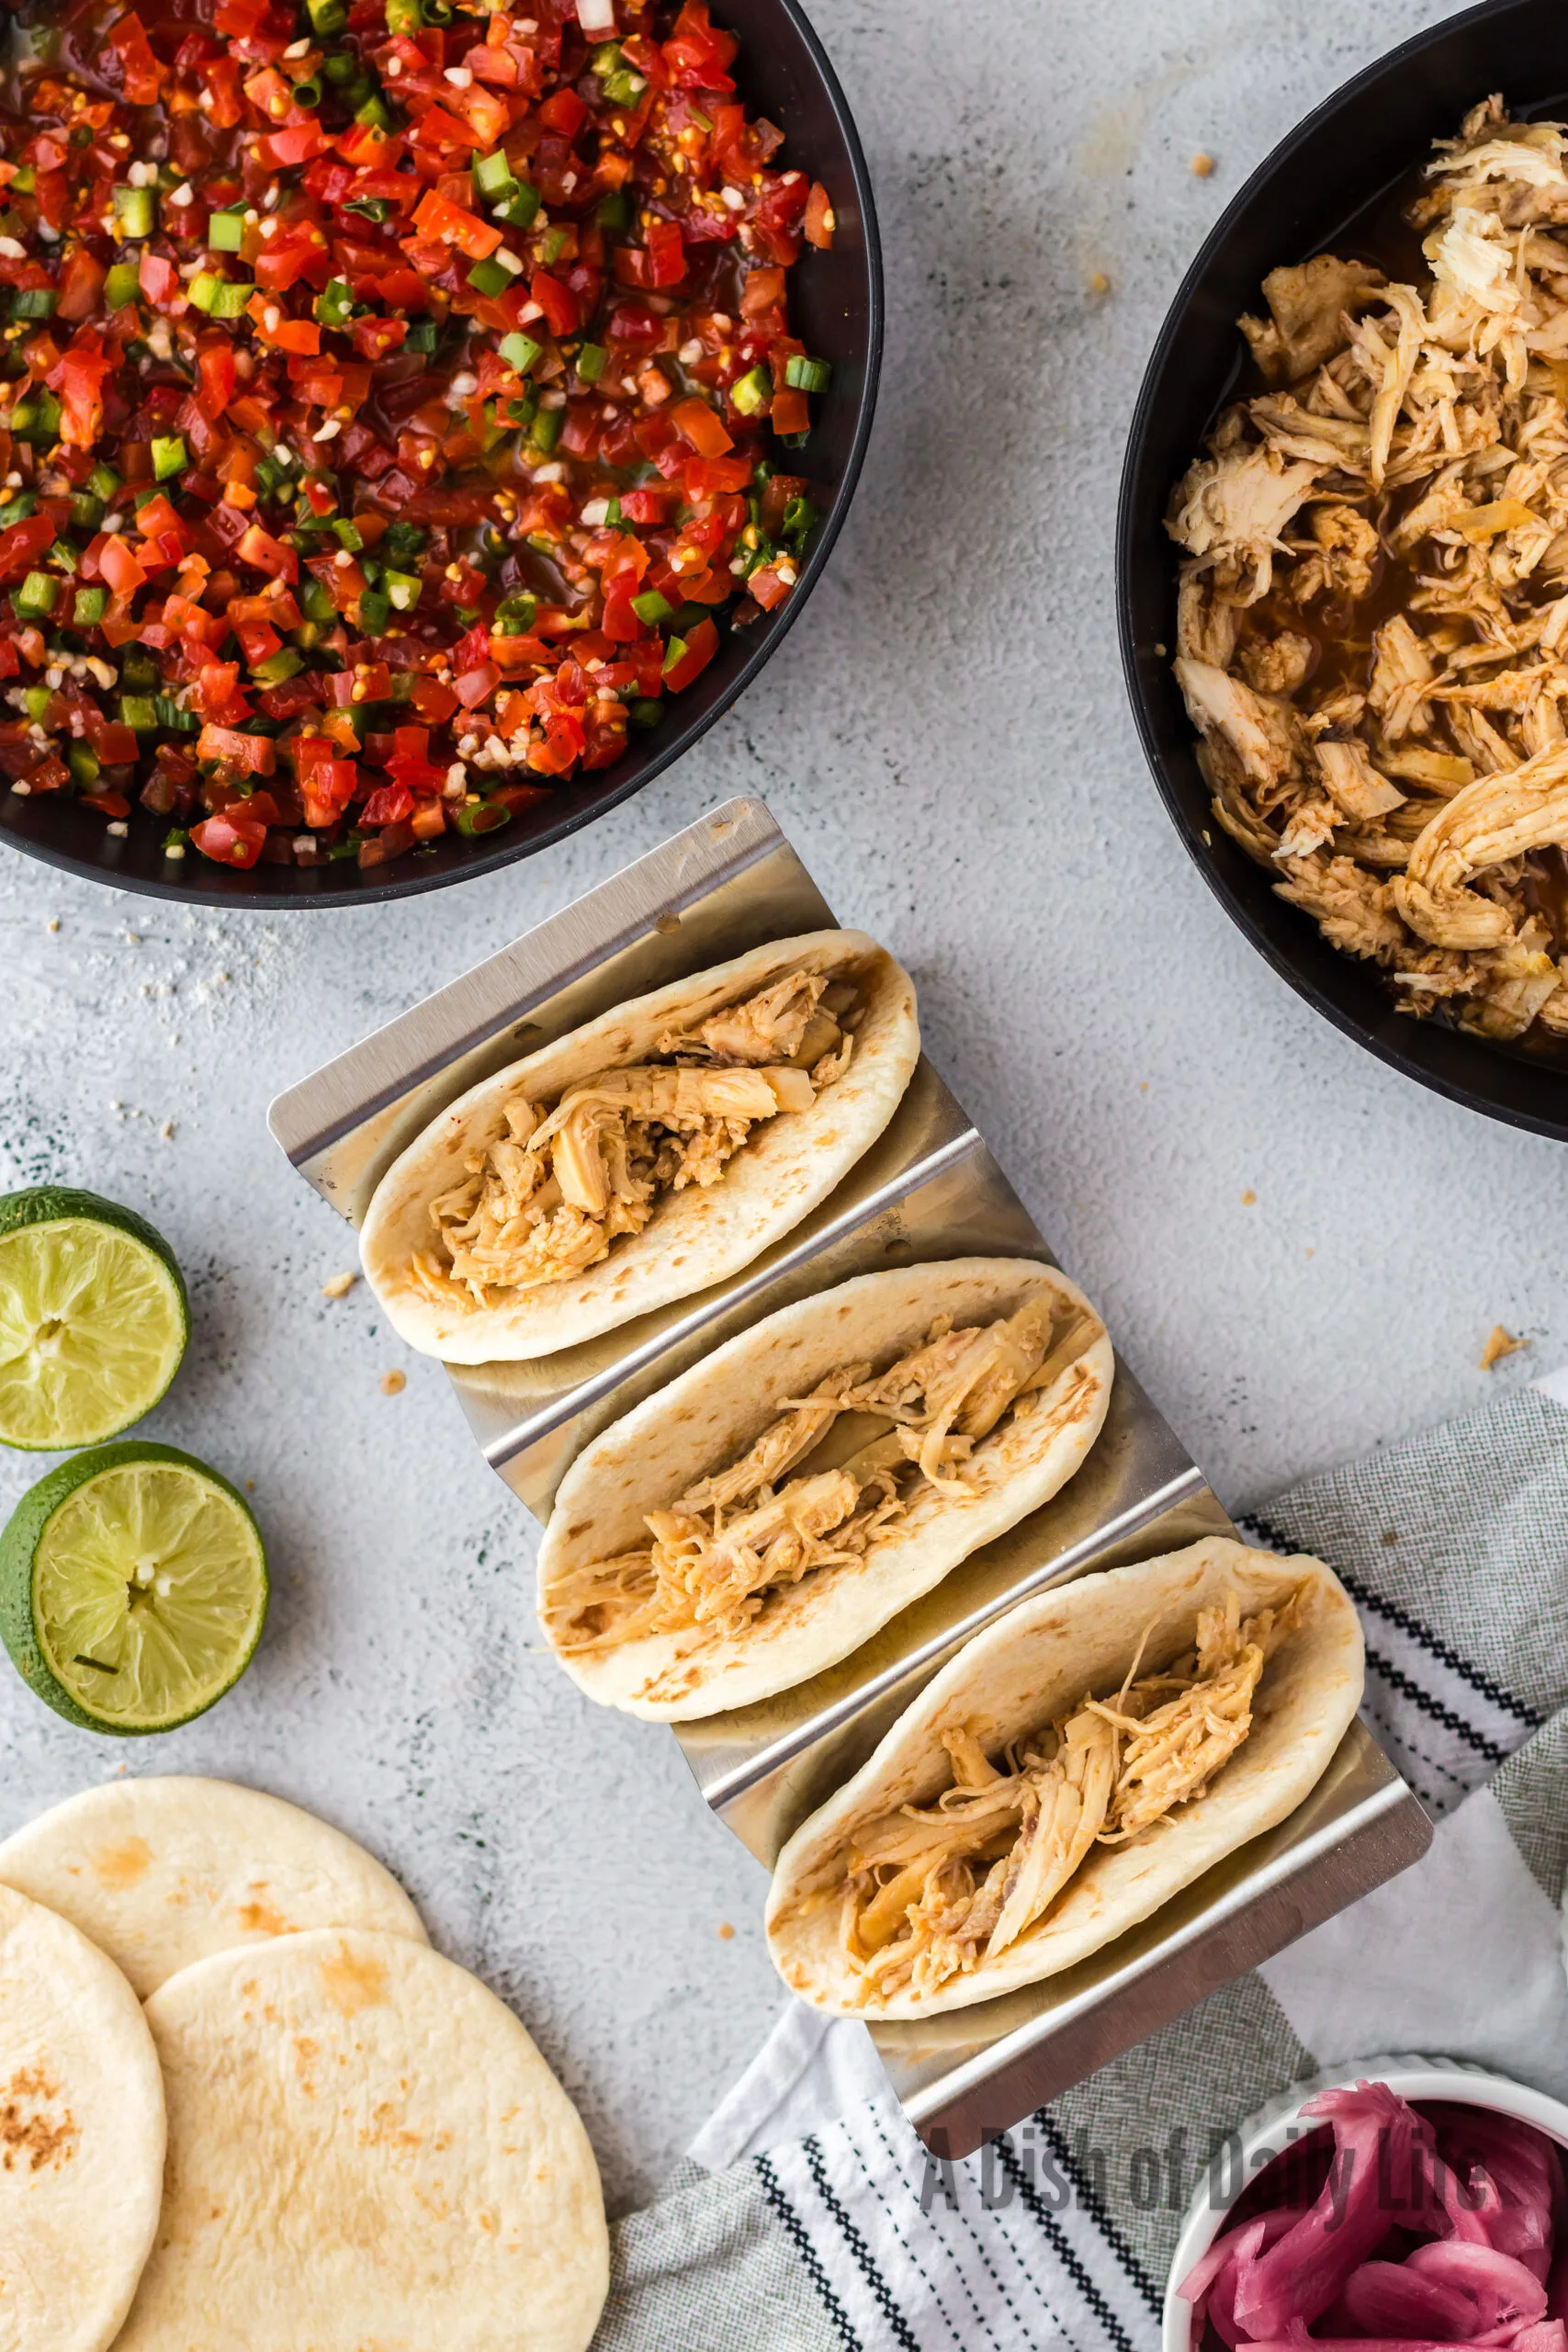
(244, 2106)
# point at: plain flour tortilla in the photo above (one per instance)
(81, 2136)
(786, 1166)
(707, 1419)
(366, 2150)
(163, 1872)
(1032, 1666)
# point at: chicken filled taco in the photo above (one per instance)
(763, 1515)
(643, 1156)
(1080, 1762)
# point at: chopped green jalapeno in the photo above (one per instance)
(135, 211)
(492, 176)
(478, 817)
(521, 209)
(753, 393)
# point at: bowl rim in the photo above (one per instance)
(683, 739)
(1388, 1049)
(1268, 2133)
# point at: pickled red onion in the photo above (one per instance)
(1435, 2230)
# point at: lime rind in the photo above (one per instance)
(93, 1318)
(133, 1587)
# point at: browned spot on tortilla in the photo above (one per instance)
(261, 1919)
(123, 1864)
(385, 2130)
(32, 2135)
(351, 1984)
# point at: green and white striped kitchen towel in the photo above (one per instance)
(810, 2219)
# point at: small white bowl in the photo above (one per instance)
(1277, 2126)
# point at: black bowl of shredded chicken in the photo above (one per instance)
(1342, 553)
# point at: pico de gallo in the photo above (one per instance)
(397, 399)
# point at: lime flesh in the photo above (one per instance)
(92, 1328)
(132, 1588)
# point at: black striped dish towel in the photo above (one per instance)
(810, 2219)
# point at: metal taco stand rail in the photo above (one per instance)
(928, 1189)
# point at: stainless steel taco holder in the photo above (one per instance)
(928, 1189)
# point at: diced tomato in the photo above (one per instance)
(702, 644)
(295, 145)
(556, 300)
(454, 226)
(387, 805)
(260, 549)
(432, 700)
(257, 755)
(666, 253)
(379, 849)
(565, 113)
(820, 223)
(703, 478)
(702, 427)
(160, 281)
(230, 839)
(695, 56)
(650, 506)
(119, 566)
(327, 789)
(81, 282)
(239, 20)
(220, 81)
(767, 587)
(142, 77)
(475, 686)
(790, 412)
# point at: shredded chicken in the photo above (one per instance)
(1373, 624)
(933, 1891)
(784, 1510)
(554, 1186)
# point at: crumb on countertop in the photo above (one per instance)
(725, 1932)
(393, 1383)
(1249, 1200)
(1501, 1343)
(1099, 284)
(1202, 166)
(338, 1285)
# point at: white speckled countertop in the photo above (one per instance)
(946, 737)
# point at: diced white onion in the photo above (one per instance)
(596, 15)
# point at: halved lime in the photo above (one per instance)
(132, 1588)
(93, 1318)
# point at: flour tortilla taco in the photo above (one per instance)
(1068, 1772)
(645, 1156)
(763, 1515)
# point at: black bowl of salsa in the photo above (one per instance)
(811, 198)
(1334, 184)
